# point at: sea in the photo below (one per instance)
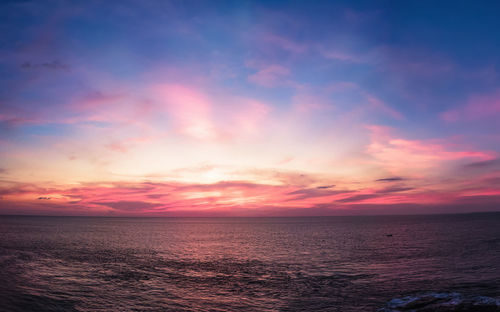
(361, 263)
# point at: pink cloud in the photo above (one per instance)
(143, 198)
(190, 110)
(221, 198)
(399, 156)
(114, 107)
(96, 99)
(336, 54)
(320, 99)
(284, 43)
(11, 120)
(382, 106)
(270, 75)
(147, 197)
(285, 160)
(307, 101)
(211, 116)
(249, 117)
(125, 145)
(451, 115)
(477, 107)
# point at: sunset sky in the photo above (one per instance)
(248, 108)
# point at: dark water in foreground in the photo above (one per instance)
(243, 264)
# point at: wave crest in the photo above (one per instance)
(442, 302)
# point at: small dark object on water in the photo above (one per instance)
(388, 235)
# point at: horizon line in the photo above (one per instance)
(256, 217)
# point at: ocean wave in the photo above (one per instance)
(442, 302)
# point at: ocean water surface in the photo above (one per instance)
(248, 264)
